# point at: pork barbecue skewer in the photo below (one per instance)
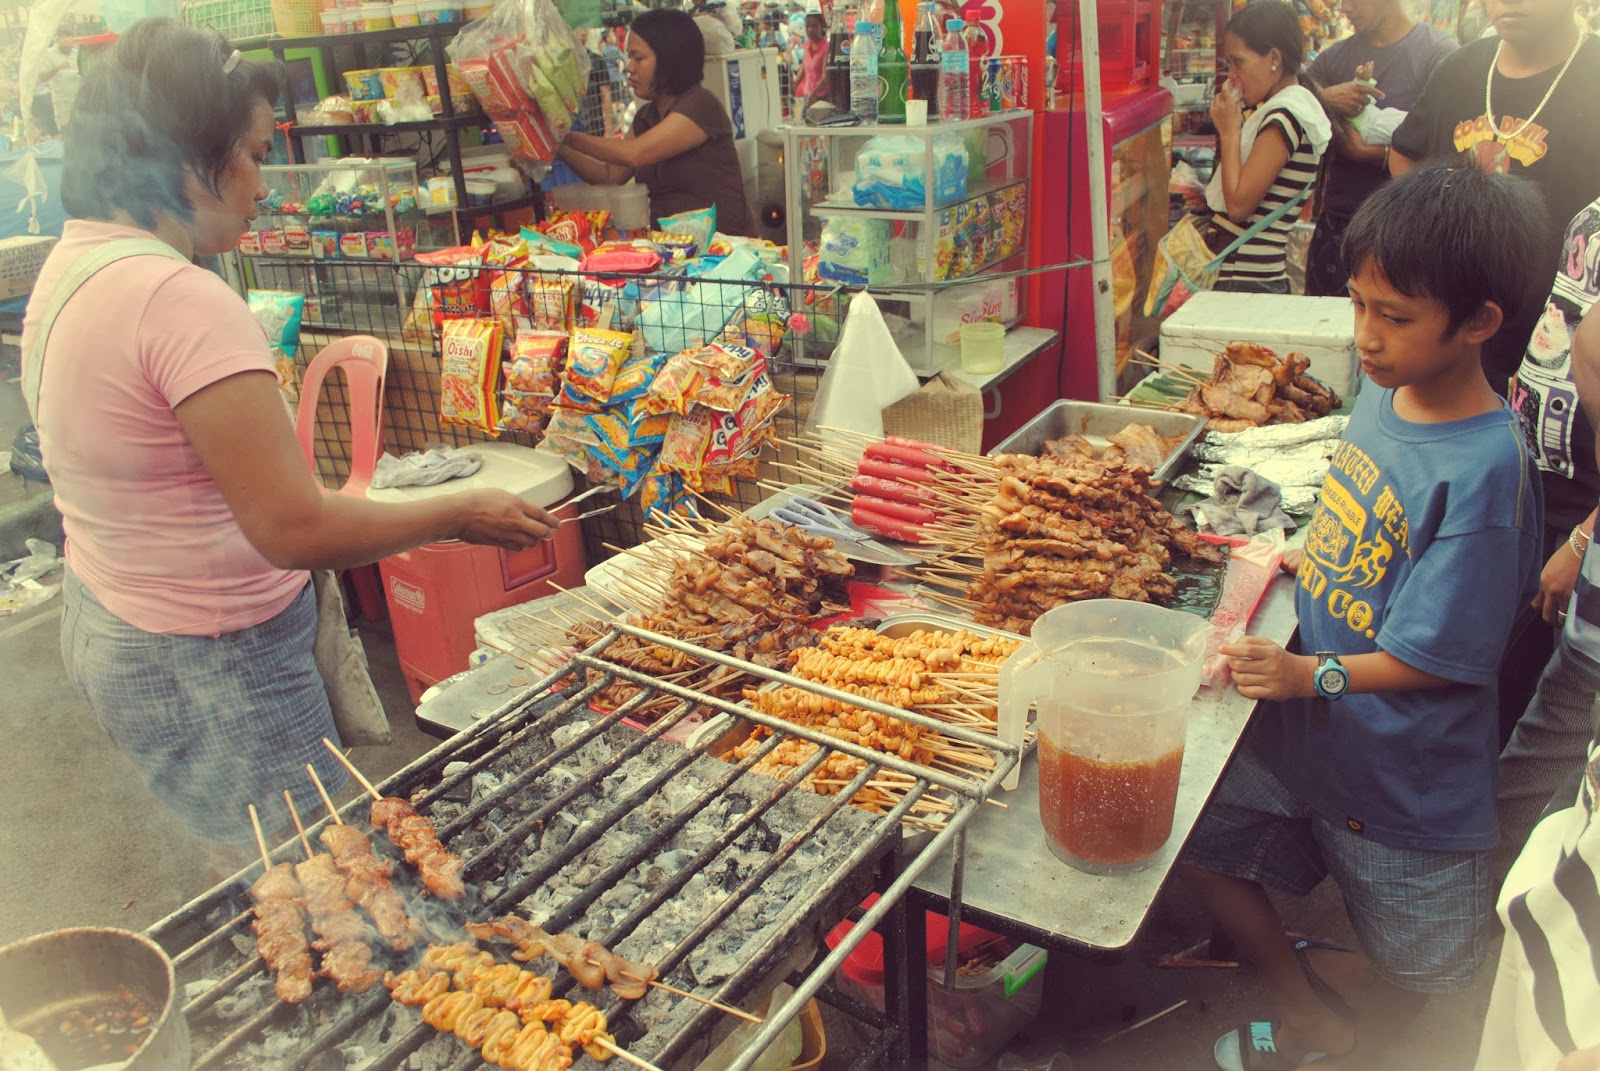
(412, 834)
(366, 876)
(342, 934)
(280, 924)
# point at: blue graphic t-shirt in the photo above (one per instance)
(1426, 544)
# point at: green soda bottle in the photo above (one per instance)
(893, 70)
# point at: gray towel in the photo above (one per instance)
(434, 465)
(1242, 503)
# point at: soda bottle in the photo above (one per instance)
(864, 85)
(839, 59)
(978, 57)
(892, 68)
(955, 76)
(925, 54)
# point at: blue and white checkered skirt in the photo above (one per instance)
(212, 723)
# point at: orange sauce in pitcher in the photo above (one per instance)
(1107, 812)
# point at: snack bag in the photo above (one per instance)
(610, 430)
(518, 417)
(456, 284)
(593, 360)
(646, 428)
(573, 427)
(676, 386)
(684, 448)
(469, 360)
(698, 225)
(535, 365)
(661, 491)
(279, 313)
(635, 376)
(552, 304)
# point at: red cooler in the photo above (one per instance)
(436, 592)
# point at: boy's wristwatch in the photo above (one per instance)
(1330, 679)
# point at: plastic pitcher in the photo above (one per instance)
(1112, 681)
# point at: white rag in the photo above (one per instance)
(1299, 102)
(435, 465)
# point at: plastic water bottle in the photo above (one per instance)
(864, 86)
(955, 78)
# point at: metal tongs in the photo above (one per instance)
(812, 516)
(590, 493)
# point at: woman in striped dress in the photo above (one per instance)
(1264, 161)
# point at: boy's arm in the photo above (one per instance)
(1264, 670)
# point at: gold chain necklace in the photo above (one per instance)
(1488, 88)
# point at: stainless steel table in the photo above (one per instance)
(1012, 881)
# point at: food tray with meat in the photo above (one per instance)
(1143, 436)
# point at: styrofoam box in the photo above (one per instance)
(1322, 328)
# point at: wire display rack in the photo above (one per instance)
(346, 297)
(237, 20)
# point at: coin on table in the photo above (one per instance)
(518, 681)
(482, 712)
(497, 688)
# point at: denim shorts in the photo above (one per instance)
(1422, 917)
(213, 723)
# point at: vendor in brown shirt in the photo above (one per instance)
(681, 147)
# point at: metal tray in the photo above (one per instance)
(905, 624)
(1095, 422)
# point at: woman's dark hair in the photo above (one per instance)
(158, 102)
(679, 48)
(1459, 236)
(1264, 25)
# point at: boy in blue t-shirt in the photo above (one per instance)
(1376, 762)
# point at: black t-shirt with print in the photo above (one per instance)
(1559, 151)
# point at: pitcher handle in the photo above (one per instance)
(1019, 677)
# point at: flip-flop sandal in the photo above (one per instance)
(1325, 992)
(1253, 1047)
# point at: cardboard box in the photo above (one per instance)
(21, 258)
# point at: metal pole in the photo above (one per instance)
(1105, 325)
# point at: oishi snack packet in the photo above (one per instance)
(469, 360)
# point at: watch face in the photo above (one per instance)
(1331, 680)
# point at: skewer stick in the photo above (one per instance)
(323, 792)
(1142, 1023)
(348, 765)
(261, 841)
(624, 1054)
(298, 828)
(746, 1016)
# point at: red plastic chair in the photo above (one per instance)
(365, 361)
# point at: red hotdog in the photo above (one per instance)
(887, 527)
(898, 511)
(894, 490)
(889, 470)
(905, 455)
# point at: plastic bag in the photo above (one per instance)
(891, 172)
(26, 460)
(866, 374)
(696, 314)
(528, 71)
(854, 252)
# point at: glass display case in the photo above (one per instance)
(917, 215)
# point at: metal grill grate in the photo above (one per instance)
(780, 867)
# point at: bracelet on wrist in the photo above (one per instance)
(1578, 541)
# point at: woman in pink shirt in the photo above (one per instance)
(191, 516)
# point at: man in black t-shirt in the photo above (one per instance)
(1544, 100)
(1403, 53)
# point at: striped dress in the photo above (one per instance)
(1261, 260)
(1546, 999)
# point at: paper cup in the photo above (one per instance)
(916, 113)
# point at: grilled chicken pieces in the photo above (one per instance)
(280, 926)
(416, 836)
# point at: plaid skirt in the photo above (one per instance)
(213, 723)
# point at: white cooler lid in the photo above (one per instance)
(1285, 317)
(537, 475)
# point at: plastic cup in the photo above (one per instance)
(983, 348)
(916, 113)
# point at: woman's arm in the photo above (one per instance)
(673, 136)
(1245, 183)
(237, 425)
(595, 172)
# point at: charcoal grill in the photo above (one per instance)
(720, 878)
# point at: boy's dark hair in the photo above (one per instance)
(679, 48)
(157, 102)
(1456, 235)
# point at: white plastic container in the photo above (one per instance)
(566, 197)
(335, 21)
(631, 207)
(480, 192)
(1322, 328)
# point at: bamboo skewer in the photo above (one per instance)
(624, 1054)
(261, 841)
(348, 765)
(322, 791)
(739, 1012)
(298, 828)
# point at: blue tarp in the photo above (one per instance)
(51, 215)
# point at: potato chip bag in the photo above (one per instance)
(552, 304)
(469, 365)
(593, 359)
(456, 283)
(676, 386)
(515, 418)
(635, 376)
(573, 427)
(661, 491)
(279, 313)
(725, 361)
(684, 447)
(535, 365)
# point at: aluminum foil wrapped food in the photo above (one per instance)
(1293, 456)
